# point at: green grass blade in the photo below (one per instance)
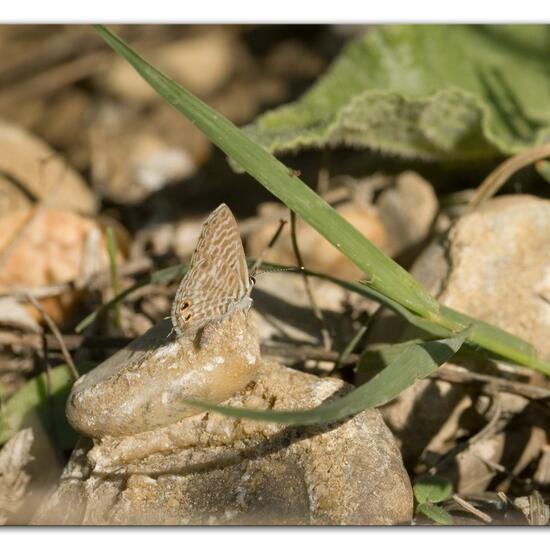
(492, 338)
(38, 398)
(351, 345)
(384, 274)
(414, 361)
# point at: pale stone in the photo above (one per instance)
(407, 209)
(201, 63)
(494, 264)
(210, 469)
(142, 386)
(499, 267)
(154, 462)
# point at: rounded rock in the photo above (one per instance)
(144, 386)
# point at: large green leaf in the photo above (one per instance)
(435, 92)
(411, 362)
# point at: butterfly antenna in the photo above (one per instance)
(276, 269)
(270, 245)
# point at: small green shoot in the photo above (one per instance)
(429, 491)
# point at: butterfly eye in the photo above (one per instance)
(188, 318)
(185, 305)
(252, 280)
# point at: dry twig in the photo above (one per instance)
(472, 509)
(269, 246)
(97, 279)
(498, 177)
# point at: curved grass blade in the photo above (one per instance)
(413, 361)
(385, 275)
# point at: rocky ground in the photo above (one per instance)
(96, 170)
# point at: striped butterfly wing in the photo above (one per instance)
(217, 282)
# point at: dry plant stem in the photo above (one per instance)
(491, 384)
(472, 509)
(59, 49)
(503, 497)
(72, 341)
(327, 344)
(491, 464)
(491, 427)
(323, 182)
(57, 334)
(498, 177)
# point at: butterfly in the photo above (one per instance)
(217, 283)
